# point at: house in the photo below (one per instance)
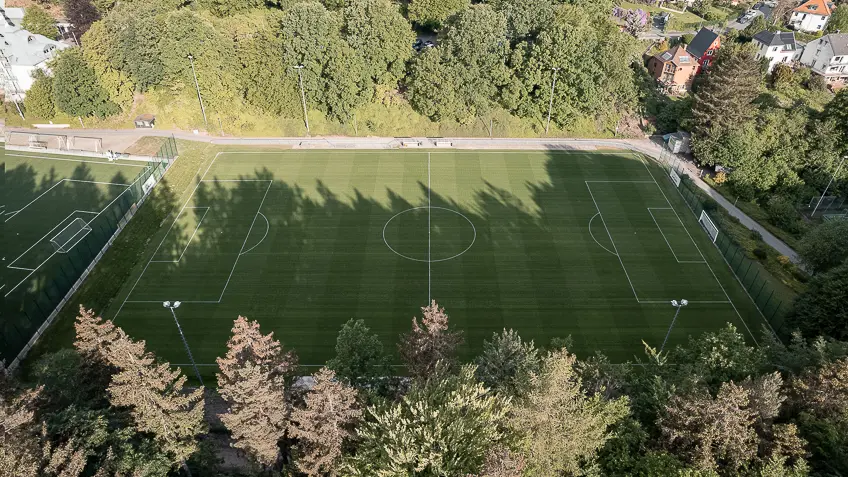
(777, 47)
(828, 57)
(673, 69)
(811, 16)
(704, 47)
(21, 53)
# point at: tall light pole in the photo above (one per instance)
(171, 307)
(677, 304)
(197, 87)
(299, 69)
(551, 103)
(828, 186)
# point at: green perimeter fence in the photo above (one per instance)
(751, 274)
(32, 306)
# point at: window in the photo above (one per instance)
(710, 52)
(774, 48)
(684, 59)
(837, 59)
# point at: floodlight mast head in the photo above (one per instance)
(177, 303)
(673, 303)
(682, 302)
(166, 304)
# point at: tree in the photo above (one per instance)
(81, 14)
(429, 343)
(93, 335)
(713, 358)
(781, 75)
(507, 363)
(117, 85)
(376, 30)
(825, 246)
(359, 356)
(224, 8)
(37, 20)
(819, 309)
(252, 383)
(446, 425)
(561, 426)
(75, 86)
(725, 100)
(323, 425)
(39, 98)
(524, 18)
(133, 30)
(839, 20)
(712, 431)
(837, 111)
(433, 13)
(154, 393)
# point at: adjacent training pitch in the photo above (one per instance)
(588, 244)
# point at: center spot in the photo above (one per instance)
(451, 234)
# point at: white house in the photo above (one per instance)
(828, 56)
(777, 47)
(811, 16)
(21, 53)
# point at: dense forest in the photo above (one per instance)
(715, 406)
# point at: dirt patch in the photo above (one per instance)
(146, 146)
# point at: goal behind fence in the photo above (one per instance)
(71, 235)
(708, 225)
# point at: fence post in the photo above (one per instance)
(769, 299)
(750, 264)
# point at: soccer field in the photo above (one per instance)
(588, 244)
(58, 211)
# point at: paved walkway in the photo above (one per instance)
(120, 139)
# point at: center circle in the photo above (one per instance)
(434, 234)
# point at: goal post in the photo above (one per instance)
(71, 235)
(708, 225)
(37, 140)
(84, 143)
(674, 177)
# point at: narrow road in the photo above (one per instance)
(120, 139)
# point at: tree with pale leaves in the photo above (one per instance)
(429, 342)
(324, 424)
(155, 394)
(252, 381)
(93, 334)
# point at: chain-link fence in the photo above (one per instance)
(751, 274)
(29, 311)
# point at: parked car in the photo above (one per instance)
(429, 44)
(417, 44)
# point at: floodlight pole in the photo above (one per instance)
(171, 307)
(197, 87)
(828, 186)
(677, 305)
(299, 69)
(551, 103)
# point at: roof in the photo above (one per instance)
(782, 38)
(145, 117)
(815, 7)
(702, 42)
(22, 47)
(765, 9)
(838, 42)
(677, 55)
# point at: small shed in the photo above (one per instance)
(145, 121)
(679, 142)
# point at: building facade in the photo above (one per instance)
(673, 69)
(777, 47)
(811, 16)
(828, 57)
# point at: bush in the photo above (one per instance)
(760, 253)
(710, 205)
(817, 83)
(784, 260)
(37, 20)
(782, 213)
(757, 236)
(781, 75)
(39, 99)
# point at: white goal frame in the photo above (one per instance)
(674, 177)
(62, 247)
(708, 225)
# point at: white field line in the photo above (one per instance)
(20, 268)
(54, 185)
(666, 238)
(267, 229)
(73, 160)
(39, 240)
(166, 235)
(612, 242)
(247, 236)
(701, 254)
(196, 228)
(593, 235)
(429, 210)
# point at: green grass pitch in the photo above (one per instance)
(588, 244)
(49, 202)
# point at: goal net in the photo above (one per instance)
(37, 141)
(82, 143)
(674, 178)
(71, 235)
(708, 225)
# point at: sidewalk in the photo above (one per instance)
(125, 137)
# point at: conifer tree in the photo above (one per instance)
(155, 394)
(93, 335)
(252, 382)
(429, 343)
(323, 425)
(725, 100)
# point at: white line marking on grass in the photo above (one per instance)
(696, 302)
(267, 228)
(663, 235)
(701, 254)
(612, 242)
(593, 235)
(73, 160)
(625, 182)
(33, 200)
(270, 183)
(235, 180)
(166, 235)
(39, 240)
(196, 228)
(429, 210)
(20, 268)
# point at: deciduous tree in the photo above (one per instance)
(39, 99)
(75, 86)
(81, 14)
(324, 424)
(37, 20)
(445, 425)
(562, 427)
(433, 12)
(359, 355)
(252, 382)
(429, 342)
(376, 30)
(825, 246)
(819, 309)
